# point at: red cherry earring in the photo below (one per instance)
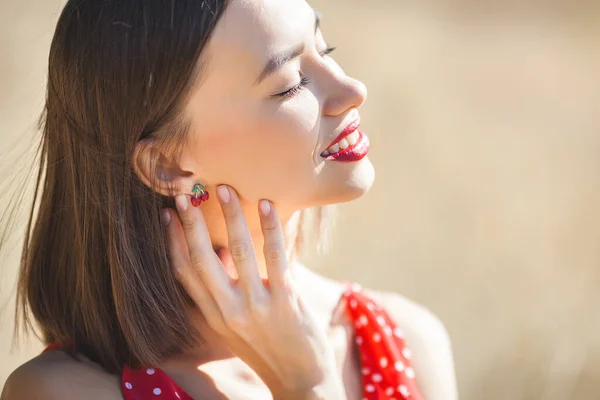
(200, 195)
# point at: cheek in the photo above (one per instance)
(263, 133)
(291, 126)
(275, 143)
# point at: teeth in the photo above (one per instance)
(352, 138)
(346, 142)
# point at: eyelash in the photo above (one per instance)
(303, 82)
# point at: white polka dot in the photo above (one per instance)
(370, 306)
(381, 320)
(365, 371)
(406, 353)
(363, 319)
(410, 373)
(387, 330)
(398, 333)
(370, 388)
(357, 324)
(128, 385)
(150, 371)
(399, 365)
(376, 337)
(353, 303)
(359, 340)
(377, 378)
(383, 362)
(403, 390)
(389, 391)
(157, 391)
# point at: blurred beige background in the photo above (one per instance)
(484, 119)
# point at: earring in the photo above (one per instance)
(200, 195)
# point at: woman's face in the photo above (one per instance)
(264, 145)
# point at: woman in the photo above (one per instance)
(167, 127)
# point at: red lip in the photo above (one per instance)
(348, 130)
(355, 152)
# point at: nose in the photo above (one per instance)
(344, 93)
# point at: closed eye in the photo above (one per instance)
(303, 81)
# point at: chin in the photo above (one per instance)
(354, 183)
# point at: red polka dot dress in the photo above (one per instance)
(385, 360)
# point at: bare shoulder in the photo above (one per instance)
(429, 342)
(55, 375)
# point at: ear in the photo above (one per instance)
(158, 172)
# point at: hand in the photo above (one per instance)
(268, 326)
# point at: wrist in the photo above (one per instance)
(317, 393)
(330, 388)
(328, 385)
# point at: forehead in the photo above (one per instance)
(250, 30)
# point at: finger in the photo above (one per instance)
(186, 274)
(202, 257)
(225, 257)
(274, 246)
(240, 242)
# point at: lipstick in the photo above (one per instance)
(353, 152)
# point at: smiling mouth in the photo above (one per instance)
(343, 144)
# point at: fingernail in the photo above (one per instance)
(265, 207)
(181, 202)
(223, 193)
(165, 216)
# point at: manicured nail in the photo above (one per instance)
(165, 216)
(181, 202)
(265, 207)
(223, 193)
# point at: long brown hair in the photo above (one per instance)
(94, 269)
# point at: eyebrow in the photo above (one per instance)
(278, 60)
